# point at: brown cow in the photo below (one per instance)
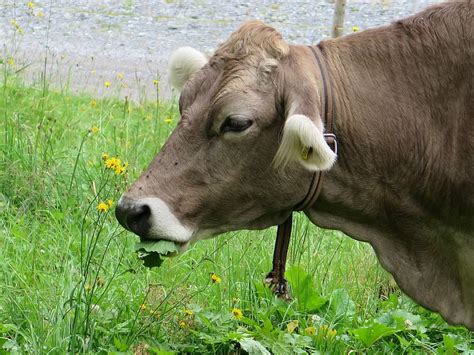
(403, 178)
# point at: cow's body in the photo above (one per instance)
(405, 170)
(403, 179)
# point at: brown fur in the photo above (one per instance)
(404, 177)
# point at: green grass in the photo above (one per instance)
(70, 281)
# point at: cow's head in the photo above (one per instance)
(252, 107)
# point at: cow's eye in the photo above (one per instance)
(233, 124)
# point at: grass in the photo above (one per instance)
(70, 281)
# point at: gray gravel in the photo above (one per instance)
(90, 42)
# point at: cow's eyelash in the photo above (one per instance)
(232, 124)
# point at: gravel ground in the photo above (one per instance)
(91, 42)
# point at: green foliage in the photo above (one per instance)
(70, 281)
(151, 252)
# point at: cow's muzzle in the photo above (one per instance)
(151, 218)
(133, 216)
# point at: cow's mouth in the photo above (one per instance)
(182, 246)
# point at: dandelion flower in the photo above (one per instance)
(292, 325)
(94, 129)
(156, 82)
(30, 5)
(112, 163)
(168, 120)
(16, 25)
(155, 313)
(310, 330)
(215, 279)
(183, 324)
(355, 29)
(40, 14)
(105, 156)
(102, 207)
(237, 313)
(119, 76)
(11, 61)
(119, 170)
(93, 103)
(188, 312)
(87, 287)
(331, 333)
(107, 84)
(110, 203)
(143, 307)
(100, 281)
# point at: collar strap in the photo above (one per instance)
(327, 106)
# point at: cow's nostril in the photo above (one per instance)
(133, 216)
(138, 219)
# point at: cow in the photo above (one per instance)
(251, 137)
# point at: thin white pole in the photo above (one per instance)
(338, 25)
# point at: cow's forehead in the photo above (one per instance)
(218, 79)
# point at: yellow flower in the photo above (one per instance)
(324, 330)
(30, 5)
(235, 300)
(292, 325)
(237, 313)
(93, 103)
(143, 307)
(100, 281)
(183, 324)
(102, 207)
(119, 76)
(40, 14)
(16, 25)
(168, 120)
(87, 287)
(156, 82)
(215, 279)
(105, 156)
(355, 28)
(310, 331)
(107, 84)
(11, 61)
(155, 313)
(110, 203)
(188, 312)
(119, 170)
(94, 129)
(112, 163)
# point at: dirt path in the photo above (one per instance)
(127, 42)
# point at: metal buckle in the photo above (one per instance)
(331, 141)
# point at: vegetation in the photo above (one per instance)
(71, 282)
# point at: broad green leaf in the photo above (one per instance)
(162, 247)
(341, 307)
(369, 335)
(253, 347)
(152, 252)
(303, 290)
(5, 328)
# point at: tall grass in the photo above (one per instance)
(70, 281)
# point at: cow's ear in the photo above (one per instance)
(304, 142)
(183, 63)
(302, 138)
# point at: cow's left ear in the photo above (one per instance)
(183, 63)
(304, 142)
(302, 137)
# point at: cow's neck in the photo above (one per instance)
(394, 185)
